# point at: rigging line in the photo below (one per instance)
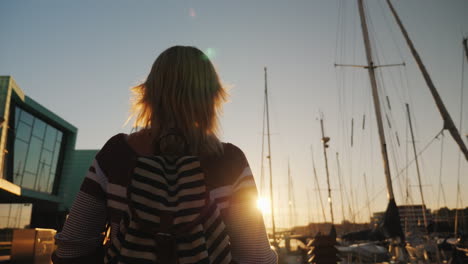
(397, 138)
(343, 215)
(381, 79)
(367, 196)
(343, 32)
(383, 89)
(391, 120)
(391, 140)
(309, 214)
(339, 51)
(407, 84)
(325, 146)
(387, 23)
(345, 133)
(350, 209)
(318, 185)
(417, 169)
(395, 162)
(291, 198)
(344, 72)
(361, 152)
(429, 181)
(354, 43)
(338, 24)
(380, 56)
(387, 112)
(404, 84)
(460, 123)
(380, 191)
(338, 56)
(448, 121)
(349, 75)
(441, 189)
(262, 169)
(406, 160)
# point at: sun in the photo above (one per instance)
(263, 204)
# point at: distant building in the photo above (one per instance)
(444, 220)
(411, 217)
(41, 171)
(342, 228)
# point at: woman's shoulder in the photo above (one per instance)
(116, 144)
(224, 169)
(232, 152)
(120, 152)
(116, 156)
(135, 143)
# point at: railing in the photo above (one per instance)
(5, 251)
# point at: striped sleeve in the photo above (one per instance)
(82, 233)
(244, 223)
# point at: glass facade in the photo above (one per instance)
(15, 215)
(37, 149)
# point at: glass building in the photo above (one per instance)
(41, 170)
(37, 148)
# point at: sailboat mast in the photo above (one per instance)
(367, 197)
(291, 199)
(375, 96)
(417, 168)
(325, 146)
(465, 45)
(309, 214)
(318, 186)
(269, 162)
(341, 185)
(448, 122)
(262, 168)
(291, 218)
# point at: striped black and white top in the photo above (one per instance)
(102, 198)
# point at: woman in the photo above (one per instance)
(182, 92)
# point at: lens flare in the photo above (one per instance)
(192, 12)
(210, 53)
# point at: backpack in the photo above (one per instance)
(170, 218)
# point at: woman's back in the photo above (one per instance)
(182, 93)
(102, 197)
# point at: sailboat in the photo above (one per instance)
(391, 225)
(460, 253)
(266, 115)
(282, 244)
(448, 123)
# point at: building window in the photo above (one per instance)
(15, 215)
(37, 148)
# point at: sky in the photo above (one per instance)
(80, 59)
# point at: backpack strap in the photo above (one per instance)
(166, 220)
(165, 235)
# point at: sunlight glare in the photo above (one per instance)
(263, 204)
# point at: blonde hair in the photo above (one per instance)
(182, 91)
